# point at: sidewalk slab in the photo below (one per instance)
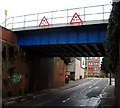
(108, 97)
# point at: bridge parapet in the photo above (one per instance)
(60, 18)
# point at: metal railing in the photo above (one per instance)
(91, 13)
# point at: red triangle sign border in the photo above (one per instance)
(42, 21)
(71, 22)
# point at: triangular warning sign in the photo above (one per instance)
(76, 19)
(44, 22)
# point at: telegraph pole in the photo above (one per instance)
(5, 17)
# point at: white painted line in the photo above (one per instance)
(66, 100)
(90, 87)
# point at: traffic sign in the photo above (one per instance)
(76, 19)
(44, 22)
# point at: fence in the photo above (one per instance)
(91, 13)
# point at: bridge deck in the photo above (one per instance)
(61, 25)
(80, 41)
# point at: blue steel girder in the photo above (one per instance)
(63, 35)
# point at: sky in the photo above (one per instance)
(22, 7)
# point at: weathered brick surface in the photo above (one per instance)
(26, 71)
(13, 65)
(58, 77)
(8, 35)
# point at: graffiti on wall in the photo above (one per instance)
(15, 77)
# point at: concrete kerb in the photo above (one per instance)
(28, 97)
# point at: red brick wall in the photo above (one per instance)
(58, 77)
(8, 35)
(13, 63)
(12, 66)
(35, 72)
(22, 67)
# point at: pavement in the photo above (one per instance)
(107, 99)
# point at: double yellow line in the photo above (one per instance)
(105, 86)
(73, 86)
(102, 92)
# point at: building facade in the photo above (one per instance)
(75, 69)
(92, 66)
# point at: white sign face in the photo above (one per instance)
(44, 22)
(76, 19)
(83, 62)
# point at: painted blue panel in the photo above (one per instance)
(36, 40)
(24, 40)
(62, 38)
(93, 37)
(82, 37)
(72, 37)
(44, 39)
(102, 35)
(68, 35)
(19, 41)
(27, 40)
(53, 39)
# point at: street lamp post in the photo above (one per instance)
(5, 17)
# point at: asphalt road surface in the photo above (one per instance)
(87, 94)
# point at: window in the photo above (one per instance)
(89, 63)
(96, 63)
(95, 68)
(95, 57)
(90, 57)
(95, 74)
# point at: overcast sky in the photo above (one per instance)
(21, 7)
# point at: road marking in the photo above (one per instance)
(105, 87)
(101, 93)
(90, 87)
(66, 100)
(74, 86)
